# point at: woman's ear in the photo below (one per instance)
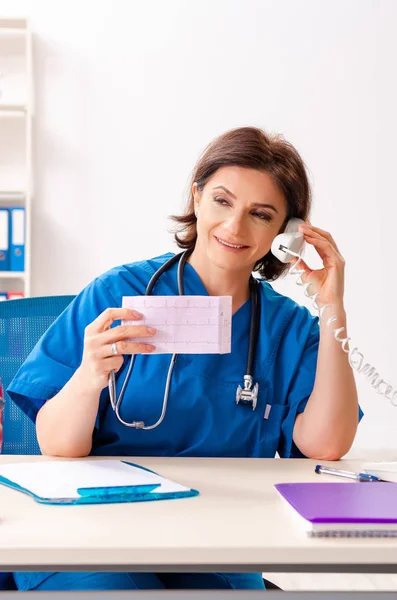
(196, 198)
(195, 191)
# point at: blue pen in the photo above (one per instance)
(349, 474)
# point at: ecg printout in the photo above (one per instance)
(185, 324)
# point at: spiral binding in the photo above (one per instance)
(356, 358)
(342, 533)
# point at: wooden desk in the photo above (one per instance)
(238, 523)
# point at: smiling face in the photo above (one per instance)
(239, 213)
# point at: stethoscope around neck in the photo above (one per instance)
(246, 395)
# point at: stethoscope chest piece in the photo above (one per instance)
(248, 395)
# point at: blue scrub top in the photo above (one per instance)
(202, 417)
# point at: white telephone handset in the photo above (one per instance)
(285, 247)
(291, 239)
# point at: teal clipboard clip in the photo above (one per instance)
(110, 495)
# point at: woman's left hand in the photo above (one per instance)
(328, 282)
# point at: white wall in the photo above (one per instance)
(128, 93)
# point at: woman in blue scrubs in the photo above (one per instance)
(245, 187)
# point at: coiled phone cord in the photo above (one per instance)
(356, 358)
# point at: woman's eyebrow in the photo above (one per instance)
(256, 204)
(222, 187)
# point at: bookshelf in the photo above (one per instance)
(16, 115)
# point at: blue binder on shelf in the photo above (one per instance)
(89, 482)
(17, 239)
(4, 239)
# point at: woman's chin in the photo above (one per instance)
(227, 261)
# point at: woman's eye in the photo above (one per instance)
(220, 200)
(263, 216)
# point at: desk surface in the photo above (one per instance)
(239, 522)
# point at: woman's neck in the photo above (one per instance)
(221, 282)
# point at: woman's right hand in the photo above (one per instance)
(98, 357)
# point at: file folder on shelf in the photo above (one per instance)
(89, 482)
(4, 239)
(17, 239)
(14, 295)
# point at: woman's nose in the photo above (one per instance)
(235, 224)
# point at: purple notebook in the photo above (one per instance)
(340, 509)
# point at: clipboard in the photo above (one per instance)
(134, 483)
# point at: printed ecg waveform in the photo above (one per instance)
(185, 324)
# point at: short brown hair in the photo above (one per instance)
(253, 148)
